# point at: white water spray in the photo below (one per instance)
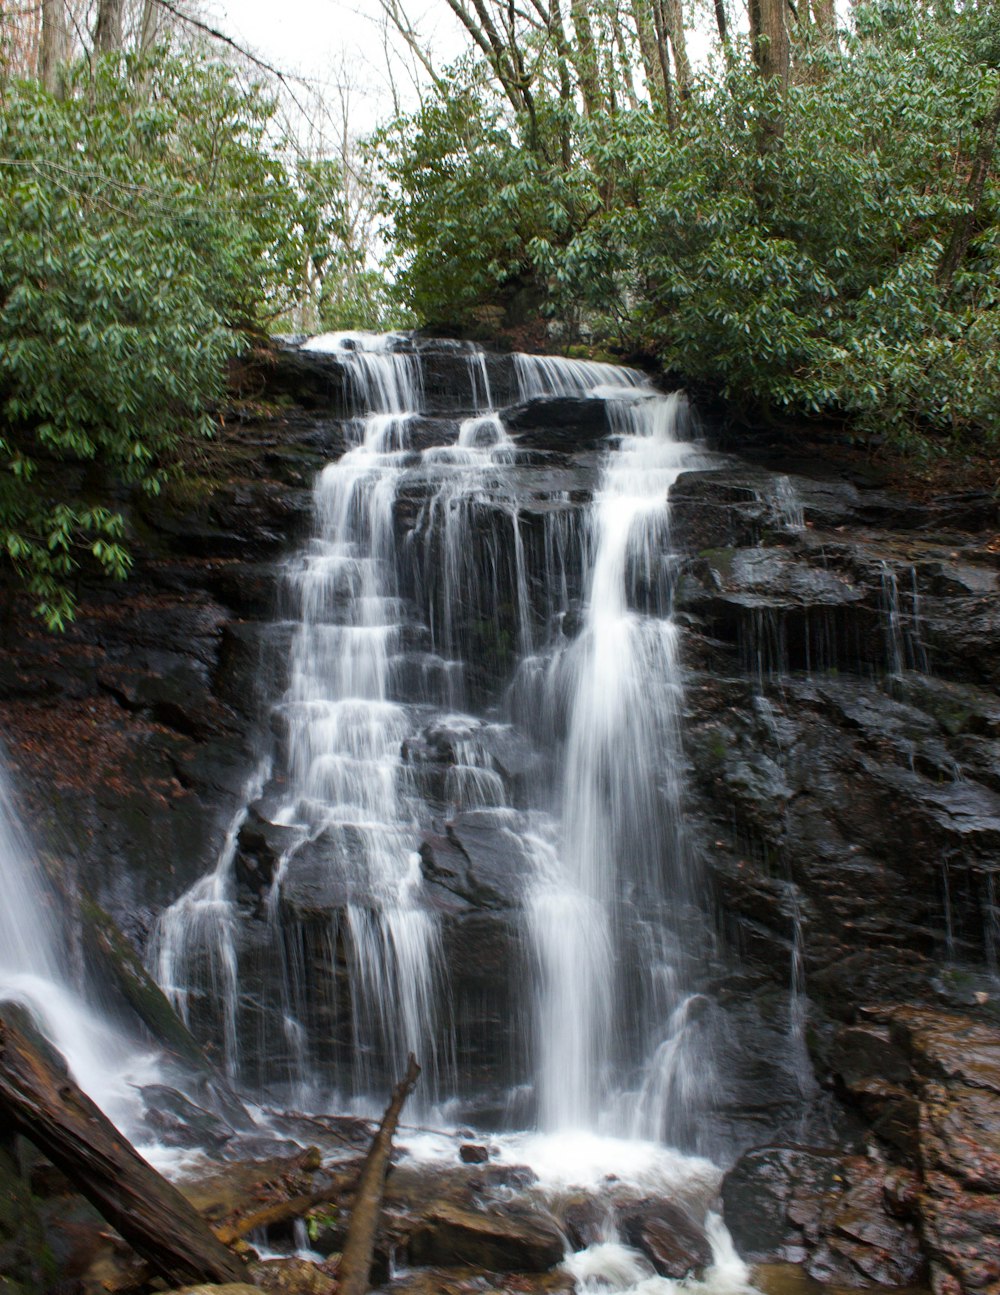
(35, 974)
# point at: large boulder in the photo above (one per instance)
(516, 1239)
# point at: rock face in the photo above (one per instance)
(834, 1214)
(841, 730)
(929, 1082)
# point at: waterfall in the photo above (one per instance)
(483, 659)
(904, 648)
(36, 974)
(622, 747)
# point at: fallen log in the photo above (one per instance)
(359, 1247)
(41, 1101)
(281, 1212)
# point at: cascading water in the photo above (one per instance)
(619, 834)
(35, 974)
(456, 597)
(904, 648)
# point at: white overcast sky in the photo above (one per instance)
(340, 43)
(336, 43)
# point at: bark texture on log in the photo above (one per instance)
(49, 1109)
(356, 1260)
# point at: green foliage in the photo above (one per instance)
(356, 296)
(472, 211)
(145, 226)
(804, 277)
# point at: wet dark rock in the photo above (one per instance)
(308, 378)
(558, 423)
(959, 1230)
(260, 846)
(471, 1153)
(947, 1047)
(585, 1221)
(763, 1191)
(668, 1236)
(128, 990)
(960, 1134)
(945, 1088)
(511, 1240)
(178, 1122)
(877, 1076)
(486, 953)
(824, 1210)
(478, 861)
(717, 510)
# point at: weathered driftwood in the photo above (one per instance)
(356, 1260)
(43, 1103)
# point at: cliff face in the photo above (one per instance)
(842, 796)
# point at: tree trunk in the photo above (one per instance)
(647, 48)
(108, 31)
(281, 1211)
(720, 22)
(769, 40)
(663, 58)
(55, 44)
(48, 1108)
(356, 1260)
(673, 15)
(149, 30)
(825, 18)
(587, 69)
(625, 63)
(771, 53)
(558, 33)
(965, 225)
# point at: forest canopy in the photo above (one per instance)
(807, 223)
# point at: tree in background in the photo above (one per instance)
(807, 221)
(148, 226)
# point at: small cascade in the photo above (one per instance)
(798, 1002)
(201, 926)
(347, 787)
(763, 645)
(540, 376)
(949, 929)
(34, 973)
(991, 923)
(610, 1268)
(904, 648)
(383, 379)
(479, 381)
(789, 505)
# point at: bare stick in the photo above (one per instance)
(356, 1260)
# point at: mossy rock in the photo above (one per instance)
(25, 1262)
(117, 966)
